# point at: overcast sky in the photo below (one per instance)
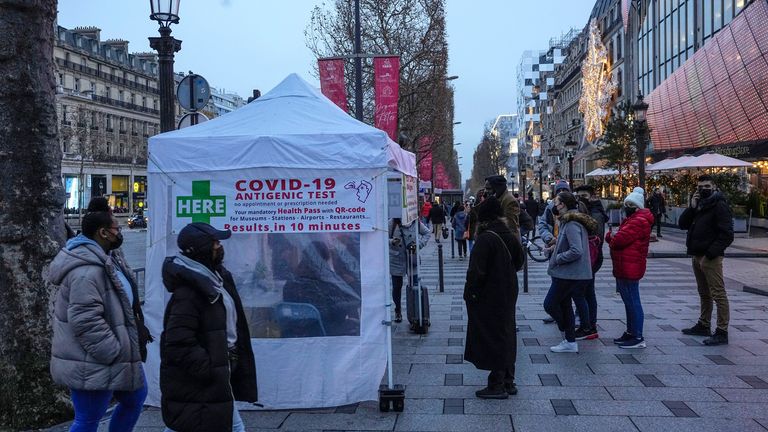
(239, 45)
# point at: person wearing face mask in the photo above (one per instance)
(96, 347)
(206, 359)
(709, 222)
(629, 251)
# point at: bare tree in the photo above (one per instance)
(414, 30)
(490, 158)
(31, 200)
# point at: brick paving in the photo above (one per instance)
(676, 383)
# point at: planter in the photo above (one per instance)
(739, 224)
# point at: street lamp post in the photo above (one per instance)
(165, 12)
(640, 109)
(570, 148)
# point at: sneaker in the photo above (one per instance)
(625, 337)
(398, 317)
(511, 389)
(633, 344)
(582, 334)
(565, 347)
(720, 337)
(489, 393)
(548, 320)
(697, 330)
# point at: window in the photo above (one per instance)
(94, 119)
(133, 99)
(93, 86)
(717, 15)
(61, 79)
(83, 62)
(154, 103)
(143, 101)
(109, 148)
(121, 96)
(121, 149)
(109, 122)
(707, 14)
(108, 92)
(691, 26)
(77, 84)
(727, 11)
(63, 114)
(122, 124)
(618, 46)
(739, 6)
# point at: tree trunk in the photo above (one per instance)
(31, 224)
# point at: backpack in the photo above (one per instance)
(594, 251)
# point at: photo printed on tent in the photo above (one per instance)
(298, 285)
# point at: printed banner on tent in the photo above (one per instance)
(263, 201)
(386, 88)
(332, 81)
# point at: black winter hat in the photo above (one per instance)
(496, 180)
(199, 236)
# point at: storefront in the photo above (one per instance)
(119, 198)
(139, 193)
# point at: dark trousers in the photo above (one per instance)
(586, 305)
(657, 218)
(558, 304)
(462, 247)
(397, 292)
(497, 379)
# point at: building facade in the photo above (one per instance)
(505, 129)
(107, 102)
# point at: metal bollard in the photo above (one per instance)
(440, 267)
(525, 273)
(453, 252)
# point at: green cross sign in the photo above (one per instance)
(201, 206)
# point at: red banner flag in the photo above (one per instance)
(332, 81)
(386, 87)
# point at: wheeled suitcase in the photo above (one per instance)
(417, 296)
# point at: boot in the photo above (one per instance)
(492, 393)
(720, 337)
(511, 388)
(698, 330)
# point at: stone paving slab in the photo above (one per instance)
(543, 423)
(451, 422)
(678, 424)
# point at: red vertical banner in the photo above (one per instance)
(332, 81)
(386, 88)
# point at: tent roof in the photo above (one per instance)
(292, 126)
(709, 160)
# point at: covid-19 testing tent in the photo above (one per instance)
(303, 187)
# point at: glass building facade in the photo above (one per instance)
(672, 30)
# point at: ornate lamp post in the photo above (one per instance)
(570, 148)
(165, 12)
(640, 109)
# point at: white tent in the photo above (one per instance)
(712, 160)
(302, 185)
(669, 163)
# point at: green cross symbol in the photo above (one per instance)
(201, 206)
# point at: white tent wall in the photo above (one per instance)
(292, 372)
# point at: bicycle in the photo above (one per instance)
(534, 247)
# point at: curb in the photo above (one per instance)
(727, 255)
(755, 290)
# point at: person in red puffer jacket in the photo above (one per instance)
(629, 251)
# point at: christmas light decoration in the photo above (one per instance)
(598, 85)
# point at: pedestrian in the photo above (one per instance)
(425, 211)
(206, 359)
(658, 207)
(496, 186)
(532, 207)
(709, 222)
(472, 219)
(437, 217)
(569, 267)
(490, 294)
(97, 347)
(401, 240)
(629, 251)
(459, 224)
(586, 195)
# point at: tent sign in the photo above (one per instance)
(259, 201)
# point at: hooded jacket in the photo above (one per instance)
(570, 259)
(709, 225)
(197, 384)
(629, 246)
(95, 339)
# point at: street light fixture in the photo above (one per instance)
(570, 147)
(165, 12)
(456, 123)
(456, 144)
(640, 109)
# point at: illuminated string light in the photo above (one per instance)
(598, 85)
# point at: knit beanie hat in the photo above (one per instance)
(489, 210)
(562, 185)
(636, 198)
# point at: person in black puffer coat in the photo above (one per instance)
(205, 350)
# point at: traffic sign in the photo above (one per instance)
(191, 119)
(193, 92)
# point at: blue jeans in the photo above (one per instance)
(558, 304)
(237, 422)
(90, 406)
(586, 305)
(630, 294)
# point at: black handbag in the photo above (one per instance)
(445, 232)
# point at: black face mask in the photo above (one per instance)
(117, 242)
(705, 193)
(629, 211)
(218, 258)
(555, 211)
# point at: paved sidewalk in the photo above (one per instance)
(675, 384)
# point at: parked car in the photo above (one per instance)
(137, 221)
